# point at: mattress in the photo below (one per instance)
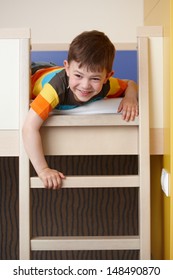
(103, 106)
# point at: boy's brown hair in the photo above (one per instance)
(92, 49)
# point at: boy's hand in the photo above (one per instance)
(129, 108)
(52, 179)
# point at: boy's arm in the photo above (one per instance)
(129, 104)
(33, 144)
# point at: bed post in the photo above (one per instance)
(24, 190)
(144, 149)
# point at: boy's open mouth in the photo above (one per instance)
(84, 92)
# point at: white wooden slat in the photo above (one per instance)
(85, 243)
(93, 182)
(65, 46)
(94, 140)
(15, 33)
(88, 120)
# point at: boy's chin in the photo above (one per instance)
(82, 98)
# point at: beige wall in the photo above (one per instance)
(156, 13)
(61, 20)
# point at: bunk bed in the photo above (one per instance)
(83, 131)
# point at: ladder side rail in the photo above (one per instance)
(24, 176)
(144, 148)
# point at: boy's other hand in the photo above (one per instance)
(129, 108)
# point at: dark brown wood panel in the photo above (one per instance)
(71, 211)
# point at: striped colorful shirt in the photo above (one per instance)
(49, 90)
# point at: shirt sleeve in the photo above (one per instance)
(117, 87)
(45, 102)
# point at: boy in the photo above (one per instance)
(86, 77)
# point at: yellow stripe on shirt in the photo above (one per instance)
(50, 95)
(114, 86)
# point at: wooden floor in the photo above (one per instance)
(66, 212)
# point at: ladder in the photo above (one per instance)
(92, 128)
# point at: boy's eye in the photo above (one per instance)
(77, 75)
(96, 79)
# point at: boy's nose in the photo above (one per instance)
(85, 84)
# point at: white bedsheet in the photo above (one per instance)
(103, 106)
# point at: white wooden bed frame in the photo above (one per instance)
(79, 129)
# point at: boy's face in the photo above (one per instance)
(84, 83)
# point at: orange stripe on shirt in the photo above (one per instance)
(41, 107)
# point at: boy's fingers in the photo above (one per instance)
(62, 175)
(130, 113)
(52, 179)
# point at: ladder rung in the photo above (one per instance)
(85, 243)
(93, 181)
(90, 120)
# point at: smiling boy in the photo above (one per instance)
(85, 77)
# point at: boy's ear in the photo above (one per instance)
(66, 66)
(108, 75)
